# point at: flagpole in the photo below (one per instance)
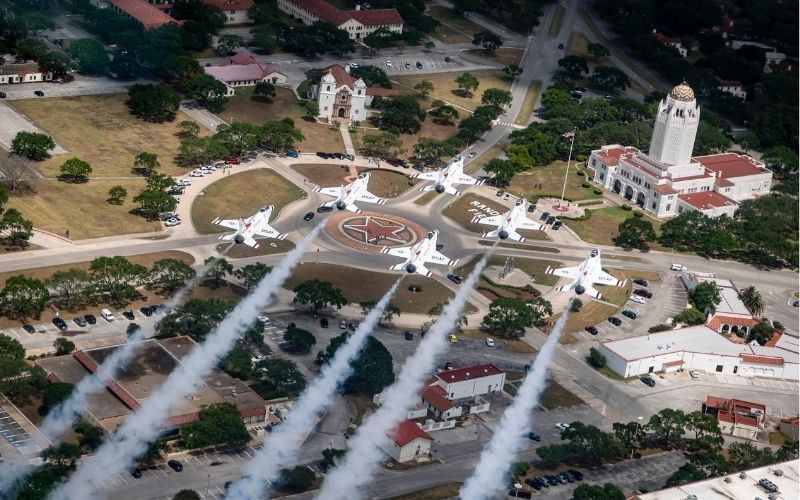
(566, 174)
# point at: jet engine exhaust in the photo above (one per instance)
(580, 290)
(503, 235)
(341, 205)
(239, 239)
(439, 188)
(411, 268)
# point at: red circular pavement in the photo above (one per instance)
(370, 232)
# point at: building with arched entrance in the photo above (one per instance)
(668, 180)
(344, 98)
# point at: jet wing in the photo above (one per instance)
(466, 179)
(603, 278)
(251, 242)
(331, 191)
(489, 221)
(403, 252)
(565, 272)
(529, 224)
(229, 223)
(353, 208)
(268, 231)
(427, 176)
(370, 198)
(438, 258)
(420, 269)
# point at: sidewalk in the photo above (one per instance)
(346, 139)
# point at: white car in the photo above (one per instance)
(172, 222)
(637, 299)
(562, 426)
(472, 154)
(677, 267)
(184, 182)
(389, 63)
(490, 342)
(196, 173)
(694, 373)
(354, 65)
(263, 319)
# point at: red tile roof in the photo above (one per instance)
(434, 395)
(341, 75)
(795, 421)
(728, 83)
(329, 13)
(382, 92)
(407, 431)
(610, 156)
(469, 373)
(707, 200)
(729, 165)
(230, 4)
(664, 189)
(145, 13)
(728, 404)
(761, 360)
(323, 10)
(239, 72)
(717, 320)
(666, 39)
(377, 17)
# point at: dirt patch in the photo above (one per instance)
(556, 396)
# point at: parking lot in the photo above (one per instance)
(16, 435)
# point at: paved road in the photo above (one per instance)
(82, 85)
(13, 122)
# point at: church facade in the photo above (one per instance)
(344, 98)
(668, 180)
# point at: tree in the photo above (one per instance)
(752, 300)
(219, 424)
(71, 286)
(31, 48)
(63, 346)
(15, 173)
(36, 22)
(443, 113)
(399, 114)
(596, 358)
(496, 98)
(788, 450)
(237, 363)
(705, 296)
(118, 277)
(62, 458)
(330, 457)
(189, 128)
(631, 435)
(502, 170)
(207, 91)
(668, 425)
(311, 110)
(552, 454)
(429, 152)
(56, 62)
(54, 395)
(12, 358)
(574, 66)
(228, 43)
(252, 274)
(280, 135)
(710, 139)
(283, 374)
(488, 41)
(372, 369)
(320, 294)
(295, 480)
(696, 232)
(608, 491)
(131, 329)
(512, 70)
(196, 318)
(702, 424)
(24, 297)
(153, 103)
(300, 337)
(91, 55)
(472, 127)
(509, 316)
(239, 137)
(170, 275)
(467, 83)
(187, 495)
(390, 312)
(317, 38)
(781, 160)
(216, 270)
(519, 469)
(152, 202)
(762, 332)
(381, 145)
(32, 145)
(424, 88)
(609, 79)
(264, 37)
(117, 195)
(686, 473)
(575, 305)
(690, 316)
(598, 50)
(380, 38)
(146, 164)
(265, 90)
(15, 230)
(75, 170)
(90, 437)
(635, 232)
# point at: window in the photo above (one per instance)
(653, 205)
(233, 13)
(327, 88)
(719, 368)
(680, 210)
(602, 176)
(594, 162)
(669, 206)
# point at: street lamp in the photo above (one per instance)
(208, 484)
(572, 144)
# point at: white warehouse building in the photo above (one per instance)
(701, 348)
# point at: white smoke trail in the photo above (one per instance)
(281, 447)
(61, 418)
(364, 448)
(489, 477)
(132, 438)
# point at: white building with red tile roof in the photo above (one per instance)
(408, 442)
(737, 417)
(733, 87)
(235, 10)
(357, 23)
(670, 41)
(668, 180)
(148, 15)
(343, 97)
(245, 70)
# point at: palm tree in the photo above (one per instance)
(752, 300)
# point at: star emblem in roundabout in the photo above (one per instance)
(374, 230)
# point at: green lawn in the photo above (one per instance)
(462, 210)
(555, 396)
(529, 104)
(445, 88)
(555, 24)
(604, 224)
(382, 183)
(551, 179)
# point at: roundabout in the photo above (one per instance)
(370, 231)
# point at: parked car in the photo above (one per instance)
(136, 473)
(408, 65)
(557, 225)
(628, 313)
(615, 321)
(550, 219)
(292, 154)
(343, 324)
(543, 480)
(60, 324)
(447, 59)
(637, 299)
(408, 335)
(472, 154)
(563, 478)
(513, 492)
(172, 222)
(354, 65)
(641, 292)
(2, 95)
(323, 322)
(196, 173)
(544, 216)
(448, 365)
(324, 209)
(535, 483)
(232, 160)
(455, 279)
(307, 217)
(677, 267)
(39, 93)
(500, 193)
(531, 208)
(552, 480)
(90, 318)
(489, 342)
(452, 338)
(128, 315)
(578, 475)
(694, 373)
(648, 381)
(29, 328)
(640, 282)
(534, 437)
(560, 46)
(175, 465)
(419, 66)
(389, 63)
(561, 426)
(591, 329)
(107, 315)
(146, 310)
(79, 321)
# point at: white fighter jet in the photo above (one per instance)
(445, 178)
(346, 196)
(418, 255)
(590, 272)
(248, 229)
(508, 223)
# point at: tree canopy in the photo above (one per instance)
(372, 369)
(319, 294)
(219, 424)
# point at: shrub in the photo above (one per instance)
(576, 305)
(580, 173)
(638, 214)
(597, 191)
(627, 207)
(585, 185)
(596, 359)
(661, 327)
(414, 288)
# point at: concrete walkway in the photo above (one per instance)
(204, 117)
(12, 122)
(346, 139)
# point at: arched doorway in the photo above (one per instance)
(725, 328)
(628, 192)
(617, 186)
(340, 114)
(640, 199)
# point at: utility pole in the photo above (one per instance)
(572, 144)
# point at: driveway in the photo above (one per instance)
(12, 122)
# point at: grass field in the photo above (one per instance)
(503, 55)
(462, 211)
(454, 28)
(359, 285)
(427, 129)
(241, 195)
(555, 396)
(100, 130)
(604, 224)
(382, 183)
(555, 24)
(551, 177)
(265, 247)
(444, 84)
(82, 208)
(426, 198)
(578, 45)
(441, 492)
(243, 107)
(590, 314)
(480, 161)
(529, 104)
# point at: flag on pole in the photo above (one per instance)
(567, 135)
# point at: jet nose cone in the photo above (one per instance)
(411, 268)
(503, 235)
(238, 239)
(580, 290)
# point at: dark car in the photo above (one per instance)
(560, 46)
(292, 154)
(324, 209)
(578, 475)
(615, 320)
(640, 282)
(90, 318)
(60, 324)
(175, 465)
(576, 95)
(544, 216)
(408, 335)
(591, 329)
(500, 193)
(80, 321)
(39, 93)
(136, 473)
(550, 219)
(513, 492)
(322, 155)
(557, 225)
(455, 279)
(128, 315)
(535, 483)
(552, 480)
(307, 217)
(534, 437)
(447, 59)
(449, 365)
(648, 381)
(29, 328)
(544, 481)
(641, 292)
(2, 95)
(565, 478)
(146, 310)
(323, 322)
(419, 65)
(580, 89)
(629, 314)
(531, 208)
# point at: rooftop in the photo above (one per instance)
(19, 68)
(707, 200)
(343, 78)
(224, 5)
(692, 339)
(149, 15)
(468, 373)
(407, 431)
(435, 396)
(728, 165)
(610, 154)
(240, 72)
(331, 14)
(728, 83)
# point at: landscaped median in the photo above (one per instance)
(466, 207)
(382, 183)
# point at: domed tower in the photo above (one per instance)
(327, 95)
(675, 127)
